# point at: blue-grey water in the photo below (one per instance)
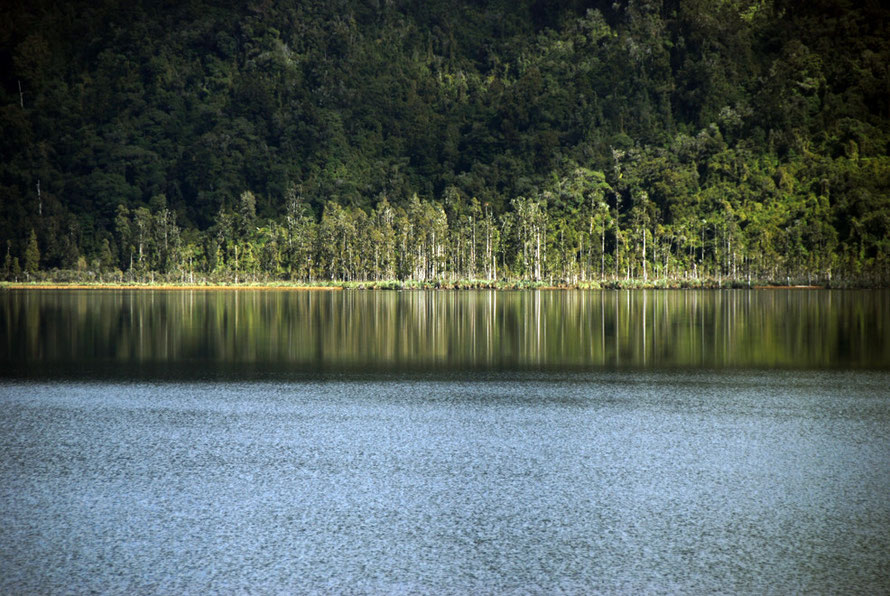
(745, 482)
(509, 479)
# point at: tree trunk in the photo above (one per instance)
(603, 254)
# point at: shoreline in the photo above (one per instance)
(395, 285)
(163, 287)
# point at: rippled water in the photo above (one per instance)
(526, 482)
(459, 442)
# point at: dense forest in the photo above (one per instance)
(566, 141)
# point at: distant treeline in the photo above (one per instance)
(565, 141)
(570, 234)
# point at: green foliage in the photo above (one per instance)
(440, 141)
(32, 255)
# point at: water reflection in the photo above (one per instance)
(454, 330)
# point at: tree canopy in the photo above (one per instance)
(567, 140)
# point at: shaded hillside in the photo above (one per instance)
(388, 138)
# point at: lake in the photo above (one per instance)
(233, 334)
(445, 442)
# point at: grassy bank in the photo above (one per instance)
(165, 286)
(504, 285)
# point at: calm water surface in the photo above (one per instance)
(203, 334)
(270, 442)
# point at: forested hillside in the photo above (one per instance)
(559, 140)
